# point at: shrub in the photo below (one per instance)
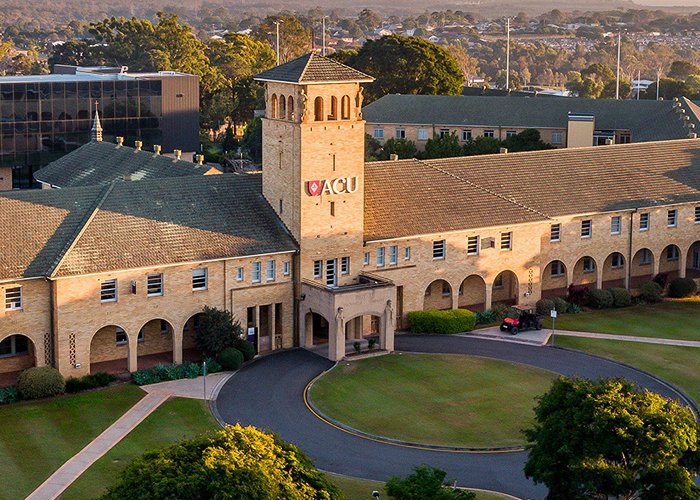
(217, 331)
(560, 305)
(499, 310)
(145, 377)
(213, 366)
(371, 343)
(573, 308)
(621, 297)
(661, 279)
(682, 287)
(511, 312)
(161, 373)
(425, 482)
(544, 306)
(88, 382)
(246, 348)
(230, 359)
(600, 299)
(578, 294)
(356, 346)
(650, 292)
(452, 321)
(8, 395)
(40, 382)
(486, 317)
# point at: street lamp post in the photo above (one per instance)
(277, 26)
(507, 54)
(617, 81)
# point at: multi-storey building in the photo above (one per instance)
(45, 116)
(325, 248)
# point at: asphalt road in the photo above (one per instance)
(269, 395)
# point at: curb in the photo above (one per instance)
(396, 442)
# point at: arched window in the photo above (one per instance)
(318, 109)
(283, 108)
(345, 108)
(290, 108)
(273, 106)
(333, 115)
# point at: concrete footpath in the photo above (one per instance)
(156, 394)
(629, 338)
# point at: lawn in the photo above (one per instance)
(675, 364)
(38, 437)
(430, 398)
(174, 420)
(677, 319)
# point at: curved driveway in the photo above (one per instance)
(269, 394)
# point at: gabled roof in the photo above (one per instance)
(100, 163)
(127, 225)
(313, 68)
(648, 120)
(413, 197)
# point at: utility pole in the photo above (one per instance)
(658, 81)
(507, 54)
(617, 83)
(639, 82)
(323, 36)
(277, 25)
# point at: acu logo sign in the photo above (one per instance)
(341, 185)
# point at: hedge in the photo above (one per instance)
(560, 305)
(486, 317)
(543, 307)
(600, 299)
(100, 379)
(246, 348)
(163, 373)
(452, 321)
(8, 395)
(621, 297)
(682, 287)
(40, 382)
(230, 359)
(650, 291)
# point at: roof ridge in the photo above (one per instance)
(73, 240)
(489, 191)
(306, 66)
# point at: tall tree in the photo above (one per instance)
(295, 40)
(600, 439)
(407, 65)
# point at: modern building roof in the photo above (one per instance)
(100, 163)
(127, 225)
(313, 68)
(647, 120)
(86, 74)
(412, 197)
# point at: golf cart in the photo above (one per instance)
(526, 320)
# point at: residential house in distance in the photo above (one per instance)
(561, 121)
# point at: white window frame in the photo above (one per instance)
(472, 245)
(489, 133)
(105, 287)
(393, 255)
(446, 289)
(422, 134)
(466, 134)
(256, 273)
(318, 269)
(672, 253)
(586, 228)
(617, 256)
(510, 133)
(557, 138)
(13, 298)
(285, 268)
(644, 221)
(695, 261)
(697, 214)
(498, 282)
(615, 224)
(332, 272)
(12, 339)
(154, 285)
(378, 133)
(646, 258)
(672, 218)
(555, 229)
(345, 265)
(444, 132)
(400, 133)
(117, 331)
(381, 251)
(407, 253)
(200, 279)
(271, 270)
(507, 241)
(591, 268)
(366, 259)
(559, 271)
(439, 249)
(240, 273)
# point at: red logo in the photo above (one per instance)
(314, 187)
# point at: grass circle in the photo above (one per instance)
(439, 399)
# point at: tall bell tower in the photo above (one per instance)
(313, 163)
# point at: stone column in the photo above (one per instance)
(386, 328)
(178, 333)
(306, 325)
(358, 327)
(455, 297)
(273, 326)
(570, 275)
(489, 294)
(682, 263)
(655, 264)
(599, 276)
(132, 362)
(336, 336)
(256, 320)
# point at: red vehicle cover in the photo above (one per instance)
(511, 321)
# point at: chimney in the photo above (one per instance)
(579, 131)
(609, 141)
(692, 135)
(138, 145)
(394, 157)
(156, 149)
(503, 151)
(120, 140)
(127, 177)
(199, 159)
(177, 153)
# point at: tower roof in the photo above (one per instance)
(313, 68)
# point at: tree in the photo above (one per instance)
(407, 65)
(605, 438)
(373, 148)
(295, 40)
(216, 331)
(527, 140)
(482, 146)
(681, 70)
(368, 20)
(235, 463)
(404, 148)
(610, 89)
(444, 146)
(252, 139)
(668, 89)
(425, 483)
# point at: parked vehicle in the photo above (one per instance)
(526, 320)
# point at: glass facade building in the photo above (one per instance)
(44, 117)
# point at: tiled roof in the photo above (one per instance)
(127, 225)
(648, 120)
(313, 68)
(412, 197)
(99, 163)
